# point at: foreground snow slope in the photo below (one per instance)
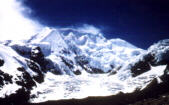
(82, 86)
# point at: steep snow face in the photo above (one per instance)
(102, 53)
(51, 36)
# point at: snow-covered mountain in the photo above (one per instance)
(94, 49)
(67, 63)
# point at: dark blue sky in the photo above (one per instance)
(141, 22)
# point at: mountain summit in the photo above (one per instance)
(100, 52)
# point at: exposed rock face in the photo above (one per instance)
(67, 62)
(140, 67)
(43, 64)
(37, 56)
(83, 61)
(70, 64)
(37, 69)
(1, 62)
(21, 97)
(26, 81)
(5, 78)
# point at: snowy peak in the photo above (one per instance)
(71, 50)
(56, 36)
(51, 37)
(72, 36)
(103, 53)
(40, 36)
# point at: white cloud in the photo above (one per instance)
(13, 24)
(82, 29)
(89, 29)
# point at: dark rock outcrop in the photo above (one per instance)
(37, 56)
(37, 69)
(5, 78)
(69, 63)
(26, 81)
(21, 95)
(83, 61)
(140, 67)
(40, 63)
(1, 62)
